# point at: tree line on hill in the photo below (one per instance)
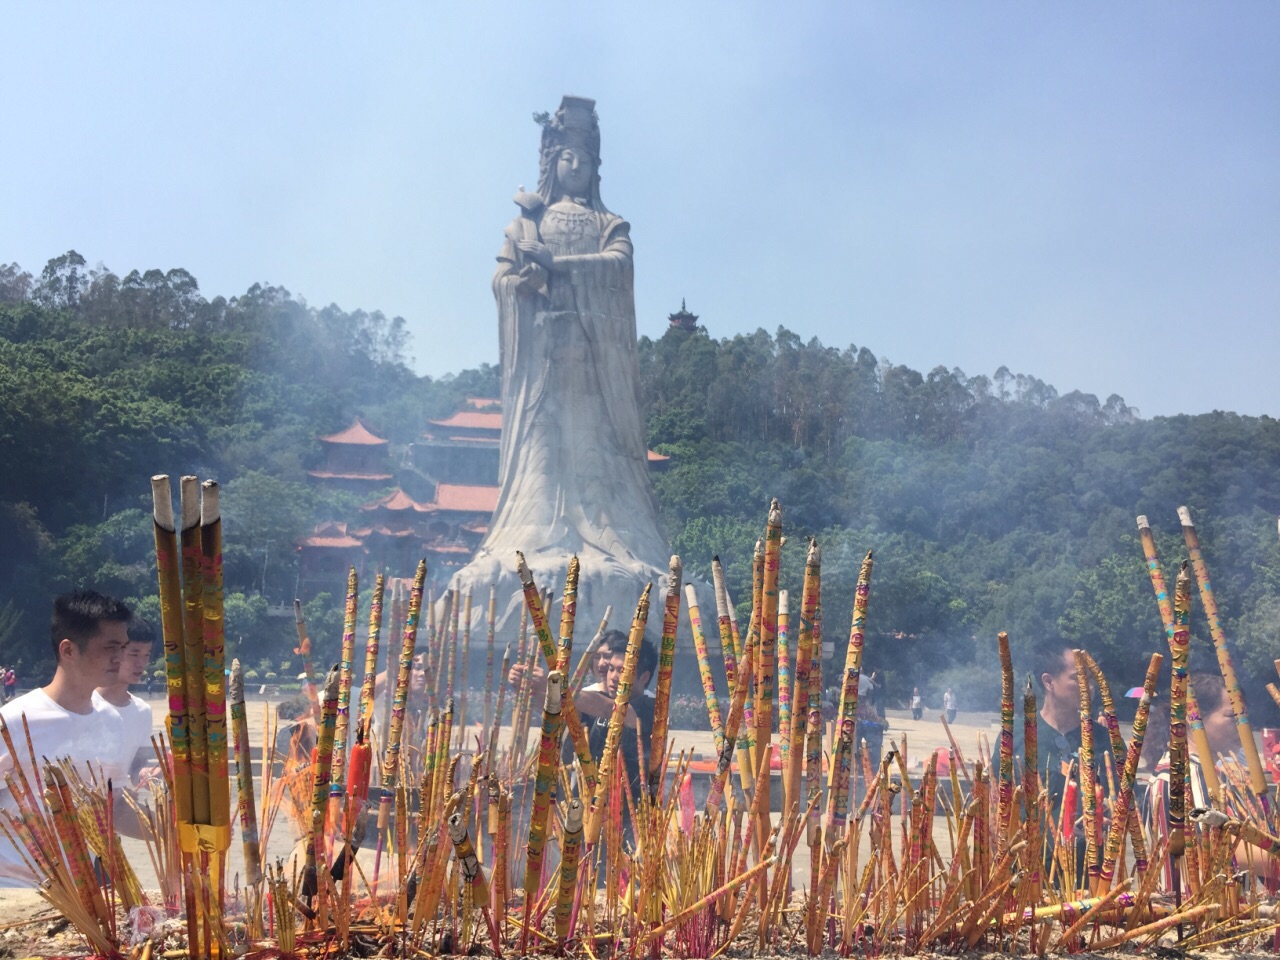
(991, 503)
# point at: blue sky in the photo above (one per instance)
(1085, 192)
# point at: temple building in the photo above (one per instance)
(455, 461)
(355, 460)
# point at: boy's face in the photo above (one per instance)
(610, 669)
(134, 662)
(99, 661)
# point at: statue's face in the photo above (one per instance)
(573, 171)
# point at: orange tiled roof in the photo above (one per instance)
(471, 420)
(357, 433)
(447, 548)
(655, 457)
(466, 498)
(395, 501)
(332, 535)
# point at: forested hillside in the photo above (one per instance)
(992, 503)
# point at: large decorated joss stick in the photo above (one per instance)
(490, 621)
(725, 760)
(543, 787)
(343, 723)
(462, 673)
(391, 755)
(491, 744)
(1177, 813)
(568, 616)
(369, 683)
(1030, 795)
(1005, 783)
(320, 772)
(842, 768)
(193, 642)
(803, 663)
(244, 780)
(724, 625)
(214, 654)
(583, 668)
(1199, 739)
(768, 663)
(572, 722)
(1088, 771)
(473, 873)
(666, 662)
(570, 850)
(1118, 750)
(451, 644)
(1257, 777)
(1124, 802)
(704, 667)
(784, 678)
(171, 623)
(621, 700)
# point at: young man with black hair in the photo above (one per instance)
(134, 711)
(88, 633)
(595, 706)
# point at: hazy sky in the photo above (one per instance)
(1085, 192)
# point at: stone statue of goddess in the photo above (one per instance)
(573, 466)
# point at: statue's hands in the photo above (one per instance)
(533, 279)
(537, 252)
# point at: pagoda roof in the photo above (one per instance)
(333, 536)
(396, 501)
(449, 548)
(357, 434)
(466, 498)
(471, 420)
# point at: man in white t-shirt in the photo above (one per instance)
(88, 632)
(136, 748)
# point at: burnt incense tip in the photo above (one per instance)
(573, 820)
(297, 611)
(522, 568)
(162, 502)
(716, 558)
(209, 512)
(775, 511)
(1184, 515)
(331, 682)
(1143, 523)
(189, 497)
(759, 550)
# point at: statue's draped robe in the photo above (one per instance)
(574, 471)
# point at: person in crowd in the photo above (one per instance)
(10, 684)
(133, 710)
(595, 706)
(949, 705)
(917, 704)
(295, 729)
(88, 634)
(1224, 743)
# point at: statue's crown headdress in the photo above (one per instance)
(574, 125)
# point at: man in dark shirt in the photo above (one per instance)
(595, 702)
(1057, 731)
(595, 705)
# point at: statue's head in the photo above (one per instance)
(571, 152)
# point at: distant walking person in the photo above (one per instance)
(917, 704)
(949, 705)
